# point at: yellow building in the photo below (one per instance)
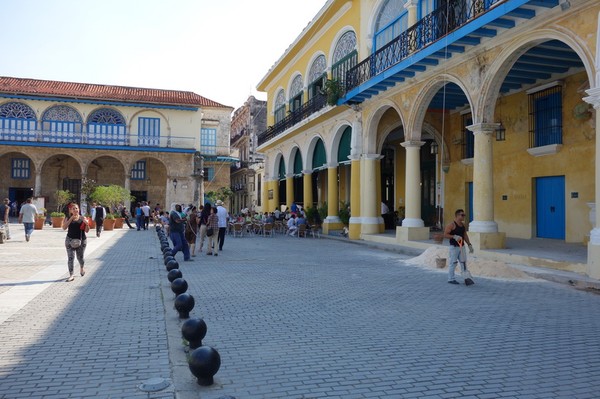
(428, 106)
(150, 141)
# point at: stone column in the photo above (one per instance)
(37, 188)
(411, 6)
(369, 208)
(355, 219)
(413, 227)
(127, 186)
(308, 190)
(289, 190)
(593, 261)
(332, 221)
(275, 187)
(483, 230)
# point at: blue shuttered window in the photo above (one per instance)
(149, 132)
(468, 137)
(20, 168)
(545, 117)
(208, 141)
(138, 172)
(209, 174)
(17, 122)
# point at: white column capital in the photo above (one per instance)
(374, 157)
(307, 172)
(595, 236)
(289, 175)
(332, 165)
(412, 144)
(593, 97)
(484, 128)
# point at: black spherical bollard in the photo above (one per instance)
(184, 303)
(172, 264)
(194, 331)
(174, 274)
(168, 258)
(204, 363)
(166, 250)
(179, 286)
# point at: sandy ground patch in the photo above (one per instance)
(477, 266)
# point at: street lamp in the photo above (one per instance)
(175, 184)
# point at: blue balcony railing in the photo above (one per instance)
(428, 30)
(116, 138)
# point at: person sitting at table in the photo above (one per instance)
(291, 224)
(269, 218)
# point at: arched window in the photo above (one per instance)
(391, 21)
(281, 172)
(296, 92)
(345, 146)
(317, 75)
(106, 126)
(62, 124)
(345, 57)
(280, 106)
(319, 156)
(17, 122)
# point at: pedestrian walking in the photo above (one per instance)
(191, 229)
(4, 217)
(146, 212)
(177, 221)
(27, 217)
(212, 228)
(98, 215)
(222, 215)
(203, 220)
(457, 233)
(125, 216)
(76, 239)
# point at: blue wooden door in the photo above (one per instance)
(470, 210)
(550, 207)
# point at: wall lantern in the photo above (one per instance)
(175, 184)
(434, 148)
(148, 181)
(500, 132)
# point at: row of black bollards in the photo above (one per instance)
(203, 361)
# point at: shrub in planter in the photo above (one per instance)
(57, 219)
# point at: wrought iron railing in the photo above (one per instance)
(313, 105)
(88, 138)
(428, 30)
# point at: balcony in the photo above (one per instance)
(116, 140)
(318, 102)
(461, 24)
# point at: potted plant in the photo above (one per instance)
(57, 219)
(333, 90)
(109, 222)
(40, 218)
(344, 213)
(118, 221)
(111, 196)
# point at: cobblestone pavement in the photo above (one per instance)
(291, 318)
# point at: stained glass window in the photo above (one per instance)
(280, 106)
(17, 122)
(106, 126)
(62, 124)
(344, 46)
(391, 21)
(296, 93)
(317, 75)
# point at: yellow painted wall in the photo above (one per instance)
(515, 169)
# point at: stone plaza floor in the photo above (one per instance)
(291, 318)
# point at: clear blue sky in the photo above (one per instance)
(219, 49)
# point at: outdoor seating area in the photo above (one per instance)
(278, 228)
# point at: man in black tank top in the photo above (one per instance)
(456, 232)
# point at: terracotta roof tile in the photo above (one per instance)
(90, 91)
